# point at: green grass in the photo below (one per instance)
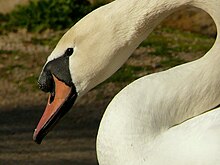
(6, 72)
(37, 16)
(127, 73)
(176, 41)
(165, 43)
(171, 46)
(171, 62)
(32, 81)
(8, 52)
(45, 14)
(50, 41)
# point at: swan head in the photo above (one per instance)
(83, 58)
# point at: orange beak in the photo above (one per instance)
(59, 103)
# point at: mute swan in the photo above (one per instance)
(164, 118)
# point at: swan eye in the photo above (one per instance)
(69, 52)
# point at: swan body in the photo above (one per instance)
(169, 117)
(170, 132)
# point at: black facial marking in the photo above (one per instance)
(59, 68)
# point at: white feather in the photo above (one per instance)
(166, 118)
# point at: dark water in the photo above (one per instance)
(72, 141)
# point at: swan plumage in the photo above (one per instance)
(170, 117)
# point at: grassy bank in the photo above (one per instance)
(29, 34)
(164, 48)
(46, 14)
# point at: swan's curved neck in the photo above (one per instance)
(131, 22)
(143, 16)
(178, 94)
(139, 18)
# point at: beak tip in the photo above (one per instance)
(36, 137)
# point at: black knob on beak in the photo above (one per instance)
(59, 68)
(45, 81)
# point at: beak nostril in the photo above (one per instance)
(52, 96)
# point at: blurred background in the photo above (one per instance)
(30, 29)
